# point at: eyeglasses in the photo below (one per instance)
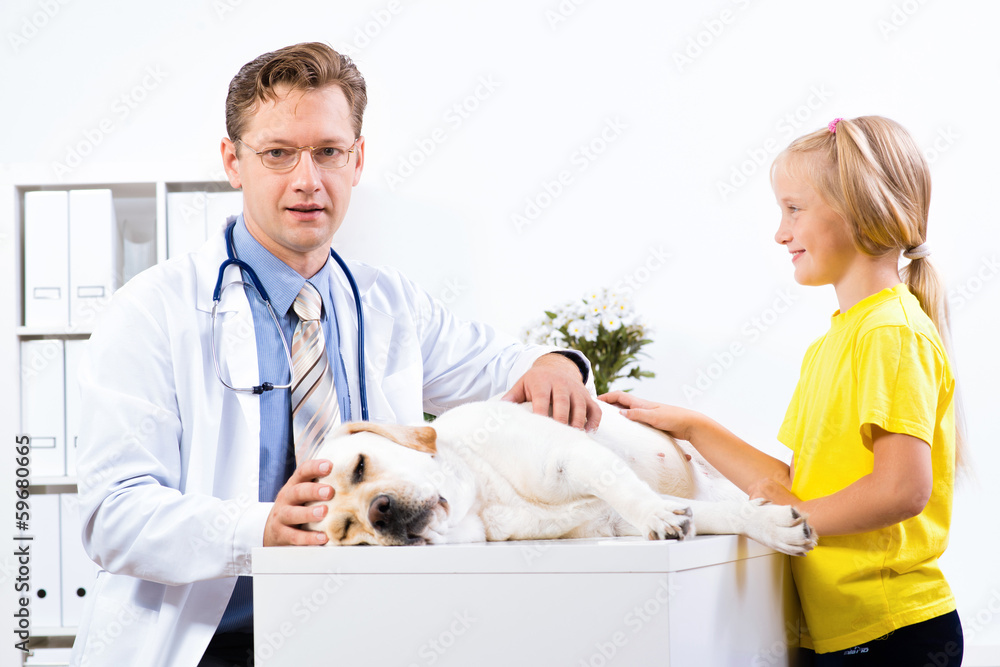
(286, 157)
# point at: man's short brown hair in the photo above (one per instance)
(306, 66)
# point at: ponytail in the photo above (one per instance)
(923, 281)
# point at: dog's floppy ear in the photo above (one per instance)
(420, 438)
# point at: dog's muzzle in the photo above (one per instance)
(401, 523)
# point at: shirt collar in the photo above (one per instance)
(282, 282)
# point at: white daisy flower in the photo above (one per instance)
(576, 328)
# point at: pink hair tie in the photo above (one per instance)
(832, 126)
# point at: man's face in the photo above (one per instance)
(295, 212)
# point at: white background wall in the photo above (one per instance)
(689, 96)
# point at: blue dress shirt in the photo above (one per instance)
(277, 453)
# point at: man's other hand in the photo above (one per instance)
(554, 388)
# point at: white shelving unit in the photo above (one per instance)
(141, 216)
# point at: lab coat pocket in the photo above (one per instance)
(114, 631)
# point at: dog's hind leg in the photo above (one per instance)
(550, 464)
(578, 466)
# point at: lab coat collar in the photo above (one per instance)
(237, 346)
(207, 261)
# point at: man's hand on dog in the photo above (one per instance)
(289, 510)
(554, 387)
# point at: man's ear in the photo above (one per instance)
(359, 165)
(231, 163)
(420, 438)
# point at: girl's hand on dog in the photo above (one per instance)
(675, 422)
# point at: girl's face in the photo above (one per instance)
(817, 237)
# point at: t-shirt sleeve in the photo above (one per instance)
(898, 373)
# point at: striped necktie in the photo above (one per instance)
(315, 409)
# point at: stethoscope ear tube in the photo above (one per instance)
(232, 261)
(264, 386)
(362, 389)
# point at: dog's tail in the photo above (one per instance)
(709, 484)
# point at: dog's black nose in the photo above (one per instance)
(380, 512)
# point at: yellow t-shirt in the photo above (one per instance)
(882, 362)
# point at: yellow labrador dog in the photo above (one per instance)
(495, 471)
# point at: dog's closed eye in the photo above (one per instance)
(359, 470)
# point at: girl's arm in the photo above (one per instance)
(740, 462)
(898, 488)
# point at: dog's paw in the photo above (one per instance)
(666, 521)
(780, 527)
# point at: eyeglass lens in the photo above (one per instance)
(283, 157)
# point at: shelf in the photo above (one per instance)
(139, 237)
(49, 332)
(137, 190)
(53, 632)
(52, 637)
(199, 186)
(52, 485)
(53, 480)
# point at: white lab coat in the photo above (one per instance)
(168, 458)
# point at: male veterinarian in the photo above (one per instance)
(183, 469)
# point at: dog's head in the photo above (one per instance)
(386, 483)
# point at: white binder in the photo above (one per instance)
(94, 255)
(185, 222)
(43, 405)
(78, 572)
(46, 259)
(219, 206)
(46, 591)
(74, 354)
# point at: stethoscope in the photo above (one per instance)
(262, 293)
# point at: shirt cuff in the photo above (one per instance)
(249, 535)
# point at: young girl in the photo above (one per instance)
(872, 422)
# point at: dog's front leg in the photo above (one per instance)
(779, 527)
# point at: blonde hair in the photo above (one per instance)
(872, 173)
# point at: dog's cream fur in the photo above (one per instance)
(495, 471)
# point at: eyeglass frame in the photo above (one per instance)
(298, 154)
